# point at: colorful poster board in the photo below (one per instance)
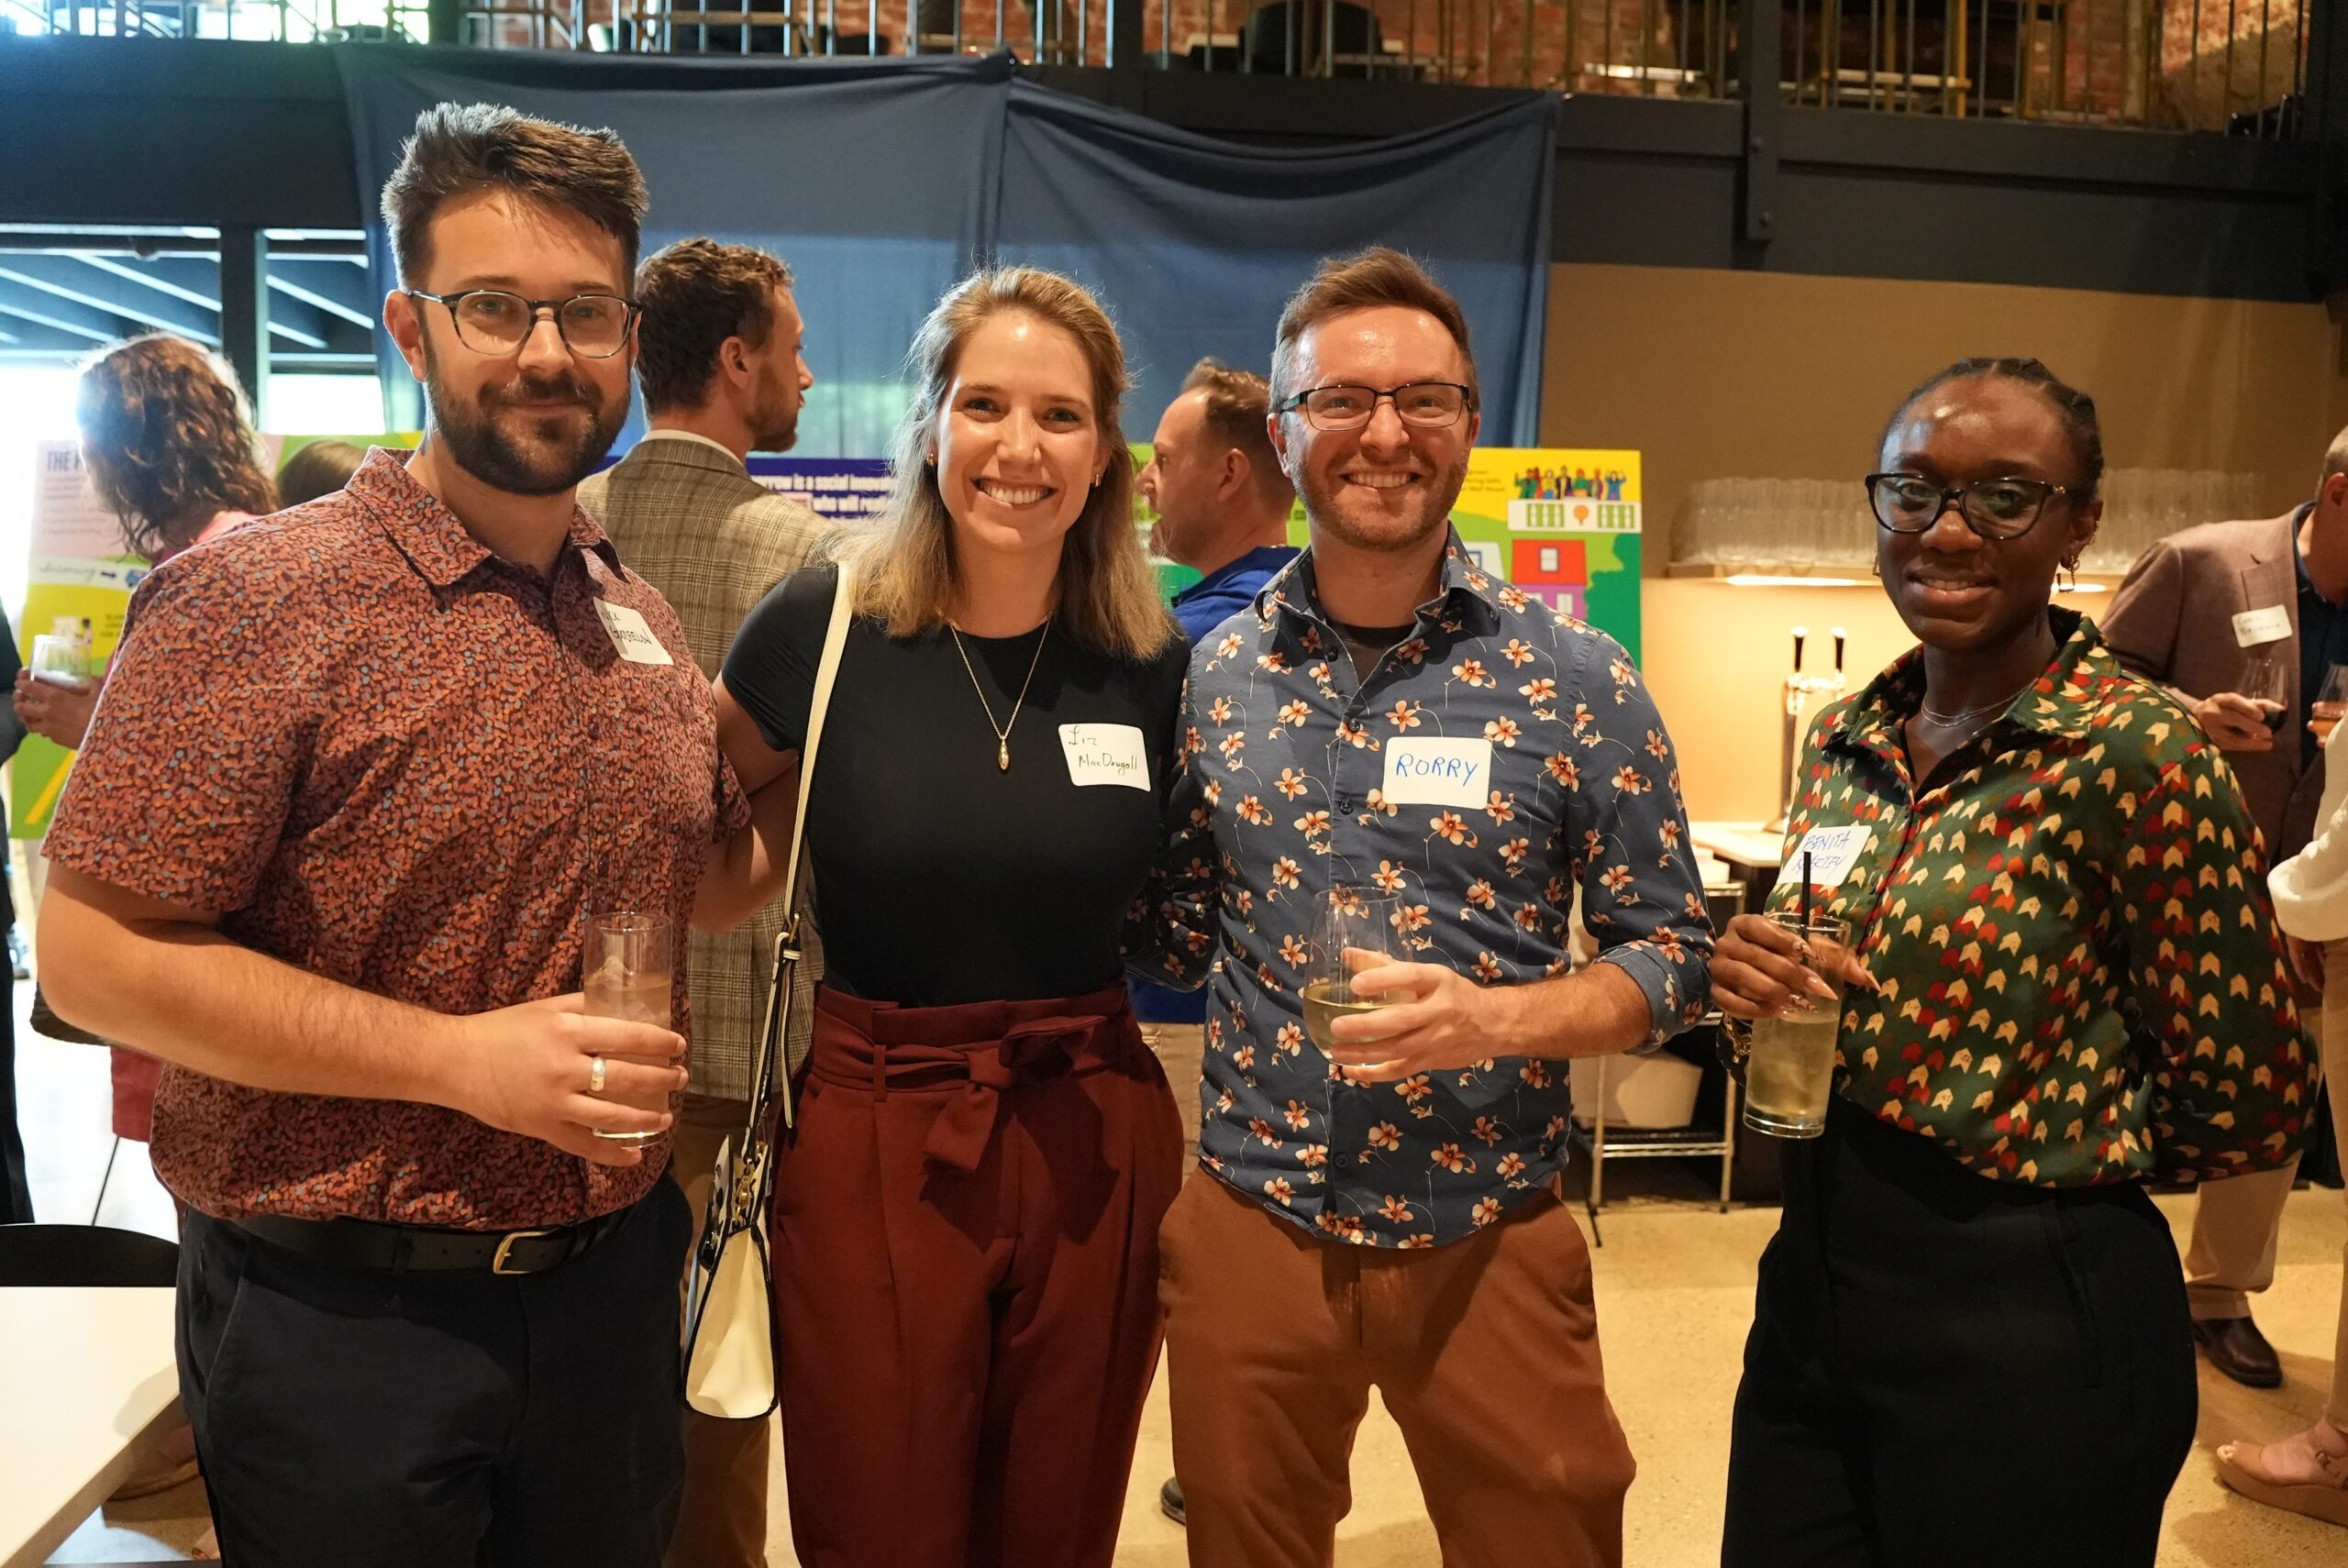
(1561, 523)
(81, 569)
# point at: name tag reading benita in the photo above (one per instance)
(631, 637)
(1105, 754)
(1435, 771)
(1833, 852)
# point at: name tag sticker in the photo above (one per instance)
(1833, 852)
(2253, 627)
(631, 637)
(1105, 754)
(1435, 771)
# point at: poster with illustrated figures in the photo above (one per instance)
(1561, 523)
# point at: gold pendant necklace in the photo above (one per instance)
(1002, 732)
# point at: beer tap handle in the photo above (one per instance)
(1840, 636)
(1800, 634)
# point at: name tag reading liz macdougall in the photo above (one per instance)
(1105, 754)
(1833, 852)
(1434, 771)
(631, 637)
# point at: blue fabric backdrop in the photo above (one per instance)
(881, 183)
(1195, 244)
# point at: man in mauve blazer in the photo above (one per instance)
(719, 364)
(2193, 612)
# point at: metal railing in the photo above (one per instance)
(2211, 65)
(261, 21)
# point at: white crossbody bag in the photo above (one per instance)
(729, 1357)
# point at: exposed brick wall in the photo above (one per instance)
(2133, 61)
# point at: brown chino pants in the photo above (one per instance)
(1486, 1352)
(966, 1281)
(722, 1514)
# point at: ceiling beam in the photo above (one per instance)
(194, 282)
(131, 243)
(338, 288)
(61, 316)
(104, 288)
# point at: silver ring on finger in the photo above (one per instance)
(595, 1068)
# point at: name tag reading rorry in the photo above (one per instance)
(631, 637)
(1434, 771)
(1105, 754)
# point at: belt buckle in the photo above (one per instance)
(505, 1246)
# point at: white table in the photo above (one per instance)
(86, 1381)
(1748, 846)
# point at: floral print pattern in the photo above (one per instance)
(1283, 797)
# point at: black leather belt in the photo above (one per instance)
(433, 1249)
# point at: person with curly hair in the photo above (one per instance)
(168, 440)
(167, 437)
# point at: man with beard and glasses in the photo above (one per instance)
(719, 361)
(359, 777)
(1393, 723)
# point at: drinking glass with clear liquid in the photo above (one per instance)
(1789, 1075)
(629, 970)
(2331, 702)
(1357, 929)
(58, 661)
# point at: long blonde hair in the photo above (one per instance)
(902, 563)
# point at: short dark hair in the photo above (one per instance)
(168, 440)
(458, 149)
(696, 295)
(1237, 406)
(2075, 407)
(1378, 276)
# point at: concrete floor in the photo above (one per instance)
(1675, 1283)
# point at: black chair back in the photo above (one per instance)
(1293, 30)
(85, 1255)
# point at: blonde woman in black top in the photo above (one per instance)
(966, 1249)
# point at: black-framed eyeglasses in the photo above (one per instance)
(1993, 508)
(1430, 405)
(493, 321)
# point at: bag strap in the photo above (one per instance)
(819, 702)
(771, 1073)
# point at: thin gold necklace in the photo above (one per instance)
(1002, 732)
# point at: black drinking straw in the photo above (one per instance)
(1805, 893)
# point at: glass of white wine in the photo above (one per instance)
(2331, 702)
(629, 972)
(1357, 929)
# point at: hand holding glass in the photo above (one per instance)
(629, 969)
(1789, 1077)
(1356, 930)
(58, 661)
(2263, 682)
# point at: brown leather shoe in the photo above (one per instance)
(2236, 1348)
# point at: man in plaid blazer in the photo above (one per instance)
(722, 375)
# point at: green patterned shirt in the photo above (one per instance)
(2082, 980)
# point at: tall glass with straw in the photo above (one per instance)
(1789, 1077)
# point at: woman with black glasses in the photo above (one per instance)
(1971, 1343)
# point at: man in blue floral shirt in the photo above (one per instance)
(1396, 721)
